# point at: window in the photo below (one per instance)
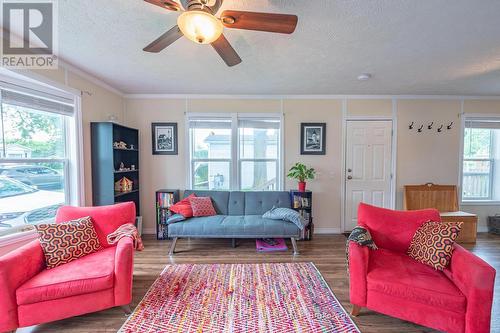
(38, 156)
(480, 181)
(235, 152)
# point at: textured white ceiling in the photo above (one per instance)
(410, 47)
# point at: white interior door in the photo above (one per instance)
(368, 167)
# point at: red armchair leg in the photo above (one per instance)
(355, 310)
(126, 308)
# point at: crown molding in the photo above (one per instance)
(311, 97)
(89, 77)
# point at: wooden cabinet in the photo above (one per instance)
(445, 199)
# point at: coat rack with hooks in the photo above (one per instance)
(430, 126)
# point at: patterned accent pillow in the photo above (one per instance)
(67, 241)
(202, 206)
(286, 214)
(432, 244)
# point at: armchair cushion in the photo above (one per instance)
(86, 275)
(392, 229)
(65, 242)
(397, 275)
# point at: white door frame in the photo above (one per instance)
(345, 119)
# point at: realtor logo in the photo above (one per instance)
(29, 38)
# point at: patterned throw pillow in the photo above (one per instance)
(286, 214)
(432, 244)
(202, 206)
(175, 218)
(67, 241)
(183, 207)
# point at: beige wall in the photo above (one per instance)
(421, 157)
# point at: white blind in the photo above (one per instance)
(212, 123)
(38, 101)
(483, 123)
(259, 123)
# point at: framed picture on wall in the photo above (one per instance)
(312, 138)
(164, 138)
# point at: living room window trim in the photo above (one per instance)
(73, 161)
(235, 161)
(463, 120)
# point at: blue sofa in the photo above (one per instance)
(239, 215)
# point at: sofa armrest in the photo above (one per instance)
(358, 268)
(476, 279)
(16, 268)
(124, 265)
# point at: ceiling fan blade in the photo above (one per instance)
(280, 23)
(167, 4)
(226, 51)
(164, 40)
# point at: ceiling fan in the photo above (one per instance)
(199, 24)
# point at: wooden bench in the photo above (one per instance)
(445, 199)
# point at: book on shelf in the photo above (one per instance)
(165, 200)
(300, 202)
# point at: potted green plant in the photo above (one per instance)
(301, 173)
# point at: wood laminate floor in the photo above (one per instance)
(327, 252)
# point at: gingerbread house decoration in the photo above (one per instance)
(124, 185)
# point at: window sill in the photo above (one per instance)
(19, 237)
(481, 203)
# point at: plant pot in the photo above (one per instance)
(302, 186)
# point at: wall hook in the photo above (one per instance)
(430, 125)
(411, 125)
(420, 128)
(440, 128)
(449, 126)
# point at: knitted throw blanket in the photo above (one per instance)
(362, 237)
(126, 230)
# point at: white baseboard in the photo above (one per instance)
(320, 231)
(149, 231)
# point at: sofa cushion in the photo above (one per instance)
(202, 206)
(221, 226)
(219, 199)
(433, 242)
(400, 276)
(86, 275)
(64, 242)
(392, 229)
(183, 207)
(257, 203)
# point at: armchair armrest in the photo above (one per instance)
(16, 268)
(358, 268)
(475, 279)
(124, 265)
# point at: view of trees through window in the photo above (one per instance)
(32, 163)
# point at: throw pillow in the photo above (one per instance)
(175, 218)
(202, 206)
(67, 241)
(432, 243)
(183, 207)
(286, 214)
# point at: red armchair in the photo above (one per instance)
(388, 281)
(31, 294)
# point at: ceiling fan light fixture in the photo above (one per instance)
(200, 27)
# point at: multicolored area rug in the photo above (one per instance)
(240, 298)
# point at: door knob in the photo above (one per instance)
(349, 177)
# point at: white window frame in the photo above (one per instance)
(235, 161)
(479, 201)
(73, 161)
